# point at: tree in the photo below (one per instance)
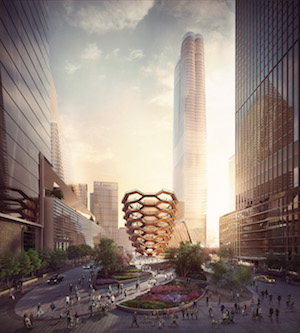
(36, 262)
(25, 264)
(171, 253)
(85, 249)
(58, 193)
(243, 275)
(219, 272)
(45, 257)
(74, 252)
(105, 254)
(8, 266)
(189, 259)
(57, 257)
(223, 252)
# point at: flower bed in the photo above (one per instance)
(167, 296)
(100, 282)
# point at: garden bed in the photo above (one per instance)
(167, 296)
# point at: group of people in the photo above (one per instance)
(156, 320)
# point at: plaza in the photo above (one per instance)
(12, 311)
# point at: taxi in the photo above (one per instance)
(265, 278)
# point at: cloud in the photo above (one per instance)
(107, 15)
(91, 52)
(71, 68)
(136, 54)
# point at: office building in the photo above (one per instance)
(266, 219)
(189, 138)
(24, 120)
(231, 178)
(56, 142)
(81, 190)
(106, 207)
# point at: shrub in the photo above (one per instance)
(105, 281)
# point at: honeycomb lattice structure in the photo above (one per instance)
(149, 220)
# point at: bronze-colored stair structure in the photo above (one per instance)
(150, 220)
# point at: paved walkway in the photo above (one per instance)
(118, 321)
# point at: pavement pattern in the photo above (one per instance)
(117, 321)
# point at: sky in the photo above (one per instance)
(113, 64)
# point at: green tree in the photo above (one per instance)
(219, 272)
(171, 253)
(74, 252)
(25, 264)
(105, 254)
(57, 258)
(85, 249)
(35, 260)
(58, 193)
(189, 259)
(8, 266)
(45, 256)
(223, 252)
(243, 276)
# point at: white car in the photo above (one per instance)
(88, 266)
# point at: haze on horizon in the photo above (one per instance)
(113, 67)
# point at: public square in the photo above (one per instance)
(11, 313)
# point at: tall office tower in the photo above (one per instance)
(267, 131)
(106, 207)
(24, 119)
(81, 191)
(189, 141)
(231, 178)
(92, 202)
(56, 146)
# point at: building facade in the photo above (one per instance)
(267, 131)
(106, 207)
(24, 120)
(81, 190)
(189, 138)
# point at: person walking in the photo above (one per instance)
(70, 288)
(125, 292)
(277, 314)
(134, 319)
(271, 311)
(174, 320)
(196, 311)
(39, 311)
(67, 300)
(112, 299)
(76, 317)
(69, 319)
(279, 299)
(270, 299)
(52, 307)
(31, 317)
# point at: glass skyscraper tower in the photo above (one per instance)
(267, 131)
(189, 141)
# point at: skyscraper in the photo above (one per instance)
(24, 119)
(106, 207)
(81, 190)
(267, 131)
(189, 140)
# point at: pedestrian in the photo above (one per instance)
(134, 319)
(112, 299)
(277, 314)
(222, 308)
(121, 288)
(279, 299)
(196, 311)
(31, 317)
(76, 319)
(210, 311)
(70, 288)
(174, 320)
(292, 305)
(182, 310)
(206, 300)
(271, 311)
(125, 292)
(69, 319)
(270, 299)
(238, 297)
(39, 311)
(109, 289)
(192, 312)
(91, 309)
(194, 304)
(82, 279)
(266, 292)
(67, 301)
(98, 298)
(79, 282)
(52, 306)
(27, 322)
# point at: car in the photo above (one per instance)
(88, 266)
(55, 279)
(265, 278)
